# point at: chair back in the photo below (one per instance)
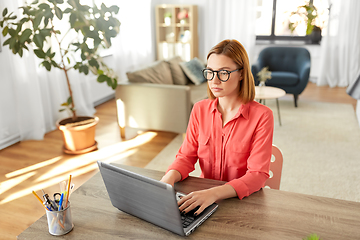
(276, 164)
(284, 59)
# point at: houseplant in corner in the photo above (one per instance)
(89, 28)
(309, 15)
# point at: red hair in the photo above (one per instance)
(236, 51)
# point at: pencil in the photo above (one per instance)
(39, 199)
(68, 192)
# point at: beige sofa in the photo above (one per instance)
(160, 97)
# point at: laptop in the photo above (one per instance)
(150, 200)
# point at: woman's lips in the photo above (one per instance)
(216, 89)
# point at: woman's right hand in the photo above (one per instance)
(171, 177)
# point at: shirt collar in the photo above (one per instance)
(243, 110)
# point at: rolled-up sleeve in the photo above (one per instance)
(258, 162)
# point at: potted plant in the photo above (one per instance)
(167, 18)
(89, 29)
(307, 14)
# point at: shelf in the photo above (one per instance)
(173, 37)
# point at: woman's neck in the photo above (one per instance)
(226, 104)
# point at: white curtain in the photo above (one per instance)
(132, 48)
(35, 94)
(340, 50)
(230, 19)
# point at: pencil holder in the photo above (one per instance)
(60, 222)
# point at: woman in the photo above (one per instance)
(229, 133)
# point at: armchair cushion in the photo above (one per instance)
(193, 70)
(159, 72)
(283, 78)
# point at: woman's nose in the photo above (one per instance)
(216, 79)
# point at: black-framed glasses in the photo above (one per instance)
(223, 75)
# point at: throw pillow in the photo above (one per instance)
(193, 70)
(177, 73)
(159, 72)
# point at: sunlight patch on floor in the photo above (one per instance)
(53, 171)
(33, 167)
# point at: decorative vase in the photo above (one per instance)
(167, 21)
(79, 136)
(183, 21)
(315, 36)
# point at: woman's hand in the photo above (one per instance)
(201, 199)
(171, 177)
(205, 198)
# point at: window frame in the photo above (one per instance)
(272, 37)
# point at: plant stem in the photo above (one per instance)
(74, 117)
(63, 67)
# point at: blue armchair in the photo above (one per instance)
(289, 66)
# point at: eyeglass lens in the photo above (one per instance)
(222, 74)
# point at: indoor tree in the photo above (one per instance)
(89, 28)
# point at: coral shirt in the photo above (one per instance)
(238, 153)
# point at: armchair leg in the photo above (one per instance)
(122, 132)
(295, 99)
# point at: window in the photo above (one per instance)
(273, 18)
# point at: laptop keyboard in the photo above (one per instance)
(188, 218)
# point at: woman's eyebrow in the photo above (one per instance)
(223, 68)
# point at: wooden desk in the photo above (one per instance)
(267, 214)
(265, 92)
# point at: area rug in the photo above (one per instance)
(320, 143)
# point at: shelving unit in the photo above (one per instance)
(174, 36)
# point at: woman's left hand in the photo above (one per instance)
(205, 198)
(201, 199)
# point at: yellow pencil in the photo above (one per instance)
(68, 192)
(39, 199)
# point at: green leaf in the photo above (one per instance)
(114, 83)
(115, 9)
(68, 59)
(47, 65)
(35, 2)
(54, 64)
(37, 20)
(25, 35)
(58, 13)
(102, 78)
(69, 101)
(67, 10)
(94, 63)
(39, 40)
(20, 52)
(40, 53)
(7, 42)
(5, 31)
(4, 12)
(44, 6)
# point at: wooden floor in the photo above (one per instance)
(36, 165)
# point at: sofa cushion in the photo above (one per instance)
(283, 79)
(193, 70)
(179, 77)
(159, 72)
(198, 92)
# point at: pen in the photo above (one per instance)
(47, 200)
(61, 200)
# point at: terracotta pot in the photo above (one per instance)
(79, 137)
